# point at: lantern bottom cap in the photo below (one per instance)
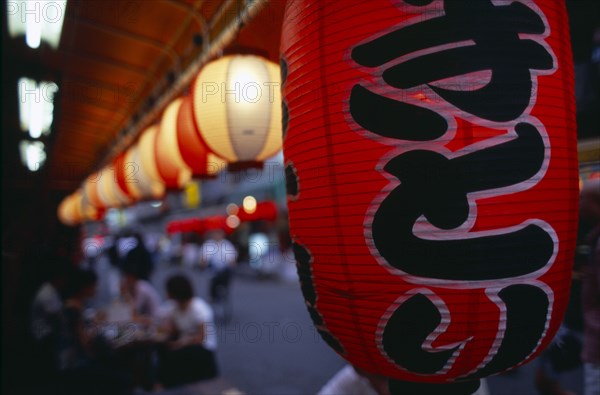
(243, 165)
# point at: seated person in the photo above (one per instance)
(76, 340)
(46, 325)
(140, 295)
(188, 320)
(84, 359)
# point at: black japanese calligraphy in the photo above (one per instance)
(495, 32)
(304, 265)
(437, 187)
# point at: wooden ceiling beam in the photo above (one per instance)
(192, 14)
(160, 46)
(220, 40)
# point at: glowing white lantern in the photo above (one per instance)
(169, 162)
(237, 108)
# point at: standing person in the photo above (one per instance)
(188, 320)
(590, 210)
(220, 256)
(109, 280)
(139, 257)
(189, 251)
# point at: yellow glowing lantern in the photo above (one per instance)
(108, 190)
(88, 211)
(169, 162)
(77, 205)
(103, 190)
(64, 212)
(237, 109)
(147, 160)
(194, 151)
(70, 209)
(90, 190)
(139, 184)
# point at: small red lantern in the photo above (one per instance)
(432, 179)
(216, 222)
(192, 225)
(173, 227)
(263, 211)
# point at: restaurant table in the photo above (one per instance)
(135, 349)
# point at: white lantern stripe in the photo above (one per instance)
(105, 192)
(248, 110)
(237, 108)
(140, 184)
(148, 160)
(209, 111)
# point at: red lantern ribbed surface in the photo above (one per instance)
(193, 148)
(124, 174)
(432, 179)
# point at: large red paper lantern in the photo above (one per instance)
(432, 179)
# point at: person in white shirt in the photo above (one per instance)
(189, 254)
(220, 256)
(188, 320)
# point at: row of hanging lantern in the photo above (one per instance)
(231, 118)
